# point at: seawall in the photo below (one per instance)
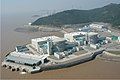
(73, 62)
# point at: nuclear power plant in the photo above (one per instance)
(53, 50)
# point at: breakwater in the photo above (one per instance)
(83, 58)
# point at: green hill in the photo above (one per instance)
(108, 14)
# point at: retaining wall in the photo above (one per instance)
(72, 62)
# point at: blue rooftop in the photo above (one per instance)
(22, 48)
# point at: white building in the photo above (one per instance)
(95, 46)
(25, 58)
(119, 38)
(78, 37)
(45, 44)
(59, 55)
(92, 38)
(95, 25)
(82, 37)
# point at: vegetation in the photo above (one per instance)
(107, 14)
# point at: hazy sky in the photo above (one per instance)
(22, 6)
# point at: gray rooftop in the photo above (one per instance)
(22, 59)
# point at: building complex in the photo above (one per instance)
(32, 56)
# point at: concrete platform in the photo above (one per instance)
(20, 67)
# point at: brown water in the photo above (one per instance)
(10, 38)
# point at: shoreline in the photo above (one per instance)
(112, 54)
(109, 57)
(70, 62)
(81, 71)
(48, 70)
(36, 74)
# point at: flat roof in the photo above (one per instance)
(92, 33)
(22, 48)
(53, 38)
(25, 57)
(81, 33)
(75, 33)
(98, 24)
(21, 59)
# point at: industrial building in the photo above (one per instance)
(85, 29)
(82, 38)
(103, 27)
(78, 37)
(31, 56)
(119, 38)
(91, 39)
(113, 38)
(24, 60)
(53, 45)
(46, 45)
(97, 25)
